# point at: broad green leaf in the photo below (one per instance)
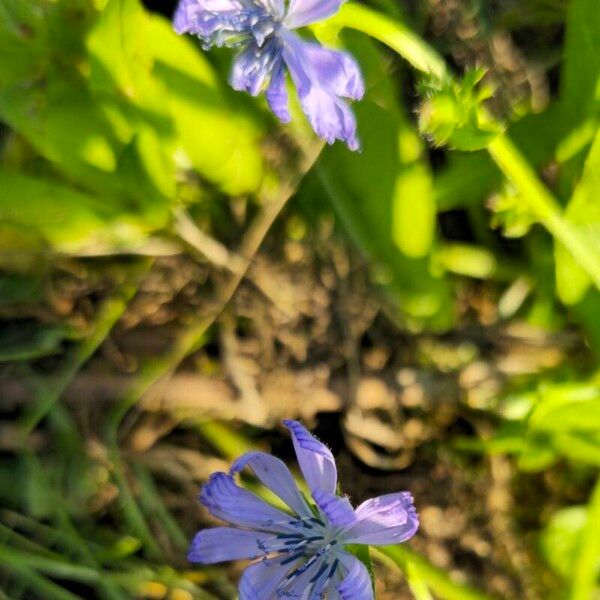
(560, 539)
(121, 55)
(579, 446)
(580, 77)
(43, 95)
(21, 39)
(587, 559)
(582, 416)
(69, 221)
(221, 142)
(583, 214)
(59, 118)
(566, 406)
(537, 454)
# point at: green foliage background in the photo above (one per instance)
(122, 141)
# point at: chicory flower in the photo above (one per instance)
(263, 30)
(302, 551)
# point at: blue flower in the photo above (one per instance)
(302, 552)
(263, 31)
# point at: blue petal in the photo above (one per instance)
(302, 580)
(356, 585)
(335, 71)
(315, 459)
(388, 519)
(233, 504)
(304, 12)
(221, 544)
(218, 22)
(318, 89)
(273, 473)
(261, 579)
(338, 509)
(277, 94)
(252, 68)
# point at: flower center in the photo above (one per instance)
(265, 27)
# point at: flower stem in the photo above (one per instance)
(541, 202)
(393, 33)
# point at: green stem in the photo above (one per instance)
(33, 580)
(131, 511)
(111, 311)
(393, 33)
(54, 568)
(541, 202)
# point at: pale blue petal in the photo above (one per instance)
(304, 12)
(356, 585)
(277, 94)
(329, 116)
(221, 544)
(275, 8)
(205, 18)
(252, 68)
(233, 504)
(338, 509)
(261, 579)
(336, 71)
(301, 581)
(274, 474)
(388, 519)
(315, 459)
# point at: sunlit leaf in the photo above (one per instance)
(583, 213)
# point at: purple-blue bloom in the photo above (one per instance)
(263, 31)
(301, 550)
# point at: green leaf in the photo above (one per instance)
(19, 289)
(71, 133)
(221, 141)
(580, 78)
(69, 221)
(30, 341)
(567, 406)
(121, 56)
(436, 579)
(560, 539)
(587, 559)
(583, 215)
(121, 51)
(583, 447)
(537, 454)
